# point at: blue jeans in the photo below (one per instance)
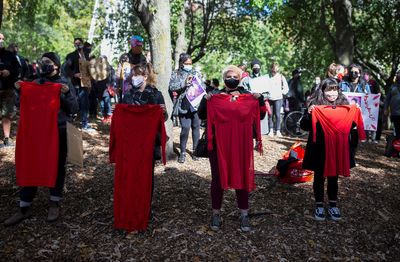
(105, 105)
(84, 106)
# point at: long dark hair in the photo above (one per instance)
(318, 97)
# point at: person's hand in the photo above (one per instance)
(64, 88)
(78, 75)
(208, 96)
(311, 108)
(189, 80)
(256, 95)
(18, 84)
(163, 107)
(4, 73)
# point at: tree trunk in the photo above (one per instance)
(344, 48)
(181, 44)
(155, 18)
(1, 12)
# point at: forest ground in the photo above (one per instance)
(283, 228)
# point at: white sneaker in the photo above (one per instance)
(278, 134)
(271, 133)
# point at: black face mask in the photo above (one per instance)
(232, 83)
(46, 69)
(256, 70)
(353, 75)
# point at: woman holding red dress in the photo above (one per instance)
(231, 76)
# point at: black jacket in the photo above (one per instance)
(9, 62)
(68, 101)
(202, 110)
(71, 66)
(314, 158)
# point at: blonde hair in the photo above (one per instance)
(231, 68)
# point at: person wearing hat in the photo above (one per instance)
(50, 72)
(295, 96)
(135, 55)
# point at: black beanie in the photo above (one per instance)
(255, 62)
(53, 57)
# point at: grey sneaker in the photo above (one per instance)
(334, 213)
(245, 223)
(319, 214)
(22, 214)
(215, 222)
(54, 211)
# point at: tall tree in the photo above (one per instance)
(155, 18)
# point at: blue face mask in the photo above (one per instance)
(187, 68)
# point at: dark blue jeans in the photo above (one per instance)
(276, 106)
(84, 106)
(105, 105)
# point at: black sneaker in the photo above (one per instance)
(245, 223)
(334, 213)
(215, 222)
(319, 214)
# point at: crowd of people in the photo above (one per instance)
(230, 112)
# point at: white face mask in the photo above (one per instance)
(187, 68)
(2, 43)
(137, 81)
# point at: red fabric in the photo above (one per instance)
(336, 122)
(36, 152)
(133, 134)
(232, 122)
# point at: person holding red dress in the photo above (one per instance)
(231, 167)
(50, 76)
(329, 152)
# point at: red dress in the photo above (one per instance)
(336, 122)
(36, 152)
(232, 122)
(132, 138)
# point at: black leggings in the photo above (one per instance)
(189, 120)
(27, 194)
(318, 186)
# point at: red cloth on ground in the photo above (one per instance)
(232, 123)
(336, 122)
(133, 134)
(36, 152)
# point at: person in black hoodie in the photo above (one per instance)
(9, 69)
(50, 72)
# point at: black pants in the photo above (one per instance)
(189, 120)
(27, 194)
(318, 186)
(379, 128)
(276, 106)
(396, 123)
